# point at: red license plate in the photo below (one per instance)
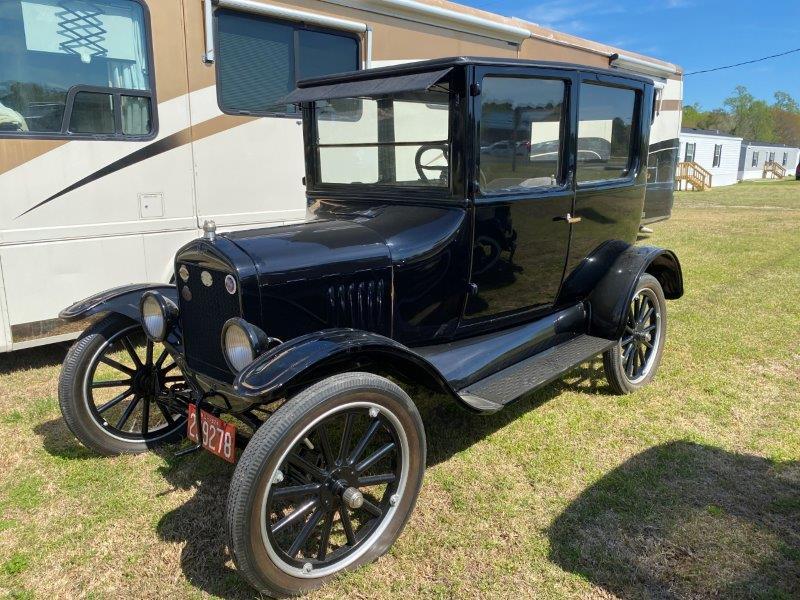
(216, 436)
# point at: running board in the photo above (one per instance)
(494, 392)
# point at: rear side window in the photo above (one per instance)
(75, 69)
(520, 133)
(605, 132)
(260, 60)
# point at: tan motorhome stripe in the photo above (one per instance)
(176, 140)
(668, 105)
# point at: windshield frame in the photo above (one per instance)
(455, 188)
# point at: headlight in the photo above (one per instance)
(158, 315)
(242, 342)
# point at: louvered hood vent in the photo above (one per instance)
(360, 304)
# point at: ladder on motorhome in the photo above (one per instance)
(774, 169)
(692, 174)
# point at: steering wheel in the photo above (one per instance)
(439, 168)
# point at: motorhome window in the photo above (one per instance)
(521, 133)
(717, 155)
(755, 159)
(76, 55)
(605, 132)
(394, 140)
(259, 60)
(92, 113)
(690, 151)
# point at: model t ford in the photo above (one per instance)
(470, 231)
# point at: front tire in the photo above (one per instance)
(111, 389)
(632, 363)
(326, 484)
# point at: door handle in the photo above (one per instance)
(569, 219)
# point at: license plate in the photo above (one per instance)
(216, 436)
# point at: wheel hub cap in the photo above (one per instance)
(353, 497)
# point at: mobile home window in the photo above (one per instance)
(260, 60)
(785, 159)
(717, 155)
(755, 159)
(520, 133)
(771, 157)
(75, 69)
(605, 132)
(689, 154)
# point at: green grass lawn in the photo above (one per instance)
(689, 488)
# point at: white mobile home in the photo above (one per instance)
(755, 158)
(716, 152)
(125, 124)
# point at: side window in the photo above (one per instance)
(661, 165)
(690, 150)
(605, 132)
(755, 159)
(520, 133)
(785, 159)
(71, 69)
(260, 60)
(717, 155)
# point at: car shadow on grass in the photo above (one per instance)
(685, 520)
(199, 523)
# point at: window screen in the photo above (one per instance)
(605, 132)
(717, 155)
(259, 60)
(520, 133)
(76, 55)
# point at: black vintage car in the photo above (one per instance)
(426, 260)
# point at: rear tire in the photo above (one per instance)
(632, 363)
(98, 422)
(353, 513)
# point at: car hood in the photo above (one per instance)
(313, 249)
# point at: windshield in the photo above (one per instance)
(397, 140)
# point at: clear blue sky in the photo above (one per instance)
(695, 34)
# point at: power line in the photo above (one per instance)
(747, 62)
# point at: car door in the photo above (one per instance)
(523, 195)
(611, 163)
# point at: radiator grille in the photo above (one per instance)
(359, 304)
(202, 317)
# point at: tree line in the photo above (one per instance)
(745, 116)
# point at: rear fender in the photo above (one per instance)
(297, 363)
(123, 300)
(609, 299)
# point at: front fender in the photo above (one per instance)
(123, 300)
(298, 362)
(609, 299)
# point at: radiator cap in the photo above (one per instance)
(210, 231)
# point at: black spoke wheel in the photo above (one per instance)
(326, 484)
(114, 389)
(632, 363)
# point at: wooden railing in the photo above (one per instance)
(774, 169)
(693, 175)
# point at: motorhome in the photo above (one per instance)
(127, 124)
